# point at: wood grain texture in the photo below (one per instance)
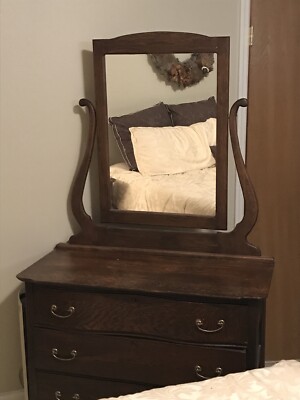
(132, 359)
(177, 273)
(143, 315)
(273, 162)
(134, 317)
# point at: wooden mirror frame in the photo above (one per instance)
(128, 232)
(166, 43)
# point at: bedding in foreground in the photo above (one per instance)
(279, 382)
(191, 192)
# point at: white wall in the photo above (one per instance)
(45, 69)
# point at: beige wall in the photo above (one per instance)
(45, 69)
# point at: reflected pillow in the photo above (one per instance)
(156, 116)
(171, 150)
(209, 127)
(190, 113)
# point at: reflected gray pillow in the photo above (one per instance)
(190, 113)
(156, 116)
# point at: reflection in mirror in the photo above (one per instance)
(182, 73)
(162, 135)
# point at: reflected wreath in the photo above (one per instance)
(185, 73)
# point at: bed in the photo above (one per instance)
(278, 382)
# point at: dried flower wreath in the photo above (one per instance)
(183, 73)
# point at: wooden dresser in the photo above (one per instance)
(142, 299)
(106, 322)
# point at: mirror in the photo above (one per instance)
(172, 170)
(162, 138)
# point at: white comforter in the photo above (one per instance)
(279, 382)
(192, 192)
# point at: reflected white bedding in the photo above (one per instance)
(279, 382)
(191, 192)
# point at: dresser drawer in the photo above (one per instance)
(132, 359)
(142, 315)
(66, 387)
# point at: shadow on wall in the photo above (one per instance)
(10, 341)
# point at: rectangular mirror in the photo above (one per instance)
(162, 109)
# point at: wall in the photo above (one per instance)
(143, 87)
(45, 69)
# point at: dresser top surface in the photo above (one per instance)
(155, 272)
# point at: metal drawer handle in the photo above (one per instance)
(200, 323)
(58, 396)
(70, 311)
(198, 369)
(55, 355)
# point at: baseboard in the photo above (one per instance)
(270, 363)
(16, 395)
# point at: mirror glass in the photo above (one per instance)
(162, 111)
(176, 169)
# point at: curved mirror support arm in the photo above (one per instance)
(83, 219)
(243, 228)
(251, 204)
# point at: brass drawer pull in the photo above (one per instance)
(55, 355)
(70, 311)
(198, 369)
(200, 323)
(58, 396)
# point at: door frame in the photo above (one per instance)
(242, 92)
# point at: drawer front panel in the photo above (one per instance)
(66, 387)
(132, 359)
(142, 315)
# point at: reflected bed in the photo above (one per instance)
(172, 170)
(161, 193)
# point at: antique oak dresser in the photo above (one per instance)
(134, 301)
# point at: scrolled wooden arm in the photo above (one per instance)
(251, 204)
(78, 209)
(237, 239)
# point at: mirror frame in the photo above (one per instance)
(155, 43)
